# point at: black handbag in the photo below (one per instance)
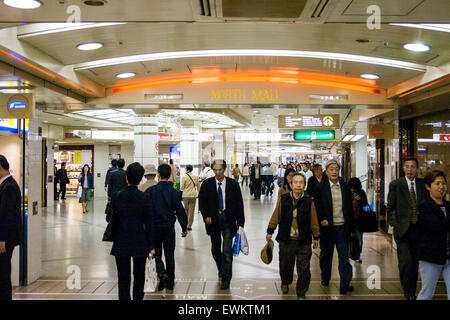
(108, 235)
(367, 221)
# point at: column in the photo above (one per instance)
(146, 139)
(190, 147)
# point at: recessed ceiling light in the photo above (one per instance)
(416, 46)
(94, 3)
(59, 118)
(23, 4)
(45, 121)
(89, 46)
(124, 75)
(86, 124)
(370, 76)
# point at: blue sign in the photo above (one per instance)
(175, 148)
(9, 125)
(17, 105)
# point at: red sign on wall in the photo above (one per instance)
(444, 137)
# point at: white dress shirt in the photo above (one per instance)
(336, 195)
(4, 178)
(409, 185)
(224, 183)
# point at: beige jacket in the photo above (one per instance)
(189, 188)
(147, 184)
(172, 173)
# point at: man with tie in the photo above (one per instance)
(404, 196)
(222, 208)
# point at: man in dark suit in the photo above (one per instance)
(222, 208)
(256, 179)
(61, 175)
(333, 201)
(167, 207)
(403, 197)
(55, 181)
(10, 204)
(118, 179)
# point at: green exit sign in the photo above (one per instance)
(314, 135)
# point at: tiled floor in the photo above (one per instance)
(73, 239)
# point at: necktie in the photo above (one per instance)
(220, 196)
(414, 206)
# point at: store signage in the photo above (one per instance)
(243, 95)
(444, 137)
(175, 148)
(77, 157)
(17, 106)
(112, 135)
(163, 136)
(314, 135)
(309, 121)
(205, 137)
(9, 125)
(381, 131)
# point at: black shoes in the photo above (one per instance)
(284, 288)
(412, 298)
(189, 229)
(346, 289)
(163, 283)
(225, 285)
(325, 283)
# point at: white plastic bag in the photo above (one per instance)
(79, 191)
(244, 242)
(151, 278)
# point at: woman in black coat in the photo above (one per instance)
(132, 233)
(359, 201)
(87, 184)
(433, 235)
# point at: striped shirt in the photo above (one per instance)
(336, 195)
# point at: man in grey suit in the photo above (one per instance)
(404, 196)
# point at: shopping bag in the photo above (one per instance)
(151, 278)
(237, 244)
(79, 191)
(244, 242)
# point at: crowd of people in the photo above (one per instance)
(314, 209)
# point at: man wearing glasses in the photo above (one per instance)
(222, 208)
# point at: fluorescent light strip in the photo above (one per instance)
(250, 52)
(357, 137)
(63, 27)
(348, 137)
(443, 27)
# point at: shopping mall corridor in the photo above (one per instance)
(71, 238)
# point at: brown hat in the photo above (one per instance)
(267, 252)
(150, 169)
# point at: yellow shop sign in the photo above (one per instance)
(243, 95)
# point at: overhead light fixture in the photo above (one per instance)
(444, 27)
(357, 137)
(23, 4)
(327, 97)
(163, 96)
(250, 52)
(370, 76)
(59, 118)
(348, 137)
(125, 75)
(417, 47)
(89, 46)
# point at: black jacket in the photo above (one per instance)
(90, 179)
(61, 176)
(117, 182)
(253, 174)
(433, 232)
(312, 183)
(10, 205)
(133, 223)
(165, 203)
(209, 205)
(399, 206)
(324, 206)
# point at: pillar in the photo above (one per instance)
(190, 147)
(146, 139)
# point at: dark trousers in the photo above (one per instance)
(222, 252)
(244, 178)
(124, 277)
(165, 238)
(62, 189)
(257, 188)
(55, 190)
(408, 265)
(5, 274)
(292, 253)
(336, 237)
